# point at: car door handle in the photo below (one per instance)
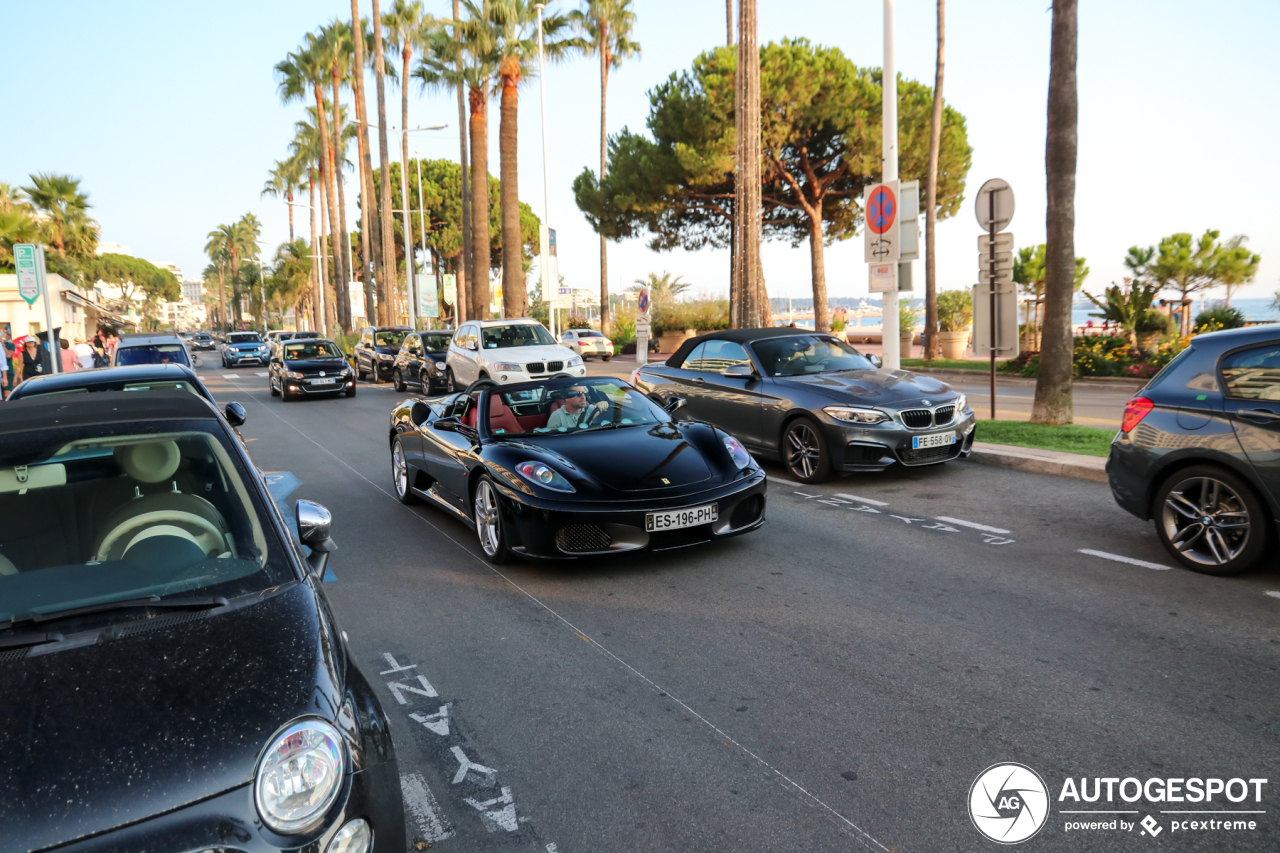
(1259, 414)
(698, 380)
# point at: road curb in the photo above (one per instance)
(1035, 461)
(1111, 383)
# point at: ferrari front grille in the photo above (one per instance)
(582, 538)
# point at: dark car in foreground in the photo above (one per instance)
(1198, 451)
(309, 367)
(812, 401)
(175, 678)
(377, 349)
(244, 348)
(421, 362)
(565, 468)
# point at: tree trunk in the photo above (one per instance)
(323, 303)
(931, 202)
(327, 176)
(821, 310)
(316, 277)
(604, 139)
(343, 242)
(466, 271)
(368, 198)
(1053, 403)
(747, 186)
(410, 270)
(509, 202)
(728, 22)
(387, 284)
(222, 298)
(288, 197)
(478, 287)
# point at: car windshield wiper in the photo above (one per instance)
(35, 638)
(206, 602)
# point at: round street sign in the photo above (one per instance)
(882, 210)
(982, 205)
(642, 301)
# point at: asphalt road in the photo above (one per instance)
(835, 681)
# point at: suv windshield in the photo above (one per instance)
(107, 512)
(563, 406)
(438, 342)
(244, 338)
(516, 335)
(800, 355)
(294, 350)
(393, 338)
(153, 354)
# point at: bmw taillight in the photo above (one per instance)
(1134, 411)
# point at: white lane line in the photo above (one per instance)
(971, 524)
(262, 374)
(1119, 559)
(861, 500)
(423, 810)
(231, 376)
(1274, 593)
(787, 482)
(856, 831)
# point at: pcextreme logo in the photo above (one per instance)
(1008, 803)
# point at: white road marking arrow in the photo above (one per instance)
(437, 722)
(425, 690)
(466, 765)
(503, 818)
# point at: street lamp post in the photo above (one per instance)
(545, 243)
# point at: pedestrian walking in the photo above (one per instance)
(84, 353)
(69, 363)
(6, 372)
(31, 366)
(11, 361)
(99, 350)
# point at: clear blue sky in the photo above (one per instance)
(168, 111)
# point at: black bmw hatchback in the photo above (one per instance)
(1198, 451)
(173, 677)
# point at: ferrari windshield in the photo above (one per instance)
(801, 355)
(562, 406)
(106, 512)
(295, 350)
(516, 335)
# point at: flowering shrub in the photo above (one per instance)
(1104, 355)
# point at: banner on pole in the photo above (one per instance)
(428, 301)
(450, 289)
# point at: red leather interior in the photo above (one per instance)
(501, 418)
(531, 422)
(470, 417)
(555, 404)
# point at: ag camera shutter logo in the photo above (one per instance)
(1008, 803)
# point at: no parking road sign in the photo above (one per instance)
(880, 210)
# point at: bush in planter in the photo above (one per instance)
(577, 321)
(907, 318)
(955, 310)
(1153, 320)
(1219, 317)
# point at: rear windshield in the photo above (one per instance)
(153, 354)
(590, 333)
(93, 514)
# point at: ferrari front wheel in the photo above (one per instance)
(488, 518)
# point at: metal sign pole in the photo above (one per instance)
(991, 231)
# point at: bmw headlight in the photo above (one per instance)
(510, 368)
(962, 403)
(548, 478)
(737, 452)
(290, 374)
(575, 361)
(855, 415)
(300, 776)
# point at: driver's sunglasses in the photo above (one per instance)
(576, 394)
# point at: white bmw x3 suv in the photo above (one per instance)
(507, 351)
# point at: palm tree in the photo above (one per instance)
(931, 199)
(337, 41)
(370, 248)
(506, 31)
(282, 181)
(1053, 403)
(216, 249)
(468, 269)
(663, 289)
(387, 286)
(752, 302)
(468, 60)
(606, 26)
(64, 222)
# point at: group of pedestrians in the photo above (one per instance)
(20, 364)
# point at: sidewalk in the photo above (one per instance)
(1035, 461)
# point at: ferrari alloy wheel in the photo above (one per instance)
(805, 451)
(488, 518)
(400, 474)
(1211, 521)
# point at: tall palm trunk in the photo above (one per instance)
(322, 294)
(327, 180)
(478, 287)
(747, 187)
(931, 200)
(235, 287)
(513, 287)
(387, 285)
(410, 271)
(466, 271)
(368, 198)
(1053, 403)
(288, 197)
(343, 242)
(728, 22)
(605, 61)
(222, 297)
(316, 276)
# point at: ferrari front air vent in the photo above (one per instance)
(582, 538)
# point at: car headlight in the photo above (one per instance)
(575, 361)
(300, 776)
(292, 374)
(355, 837)
(385, 356)
(507, 366)
(737, 452)
(536, 472)
(961, 404)
(855, 415)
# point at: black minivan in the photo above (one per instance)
(173, 675)
(1198, 451)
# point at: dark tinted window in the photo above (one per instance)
(437, 343)
(390, 339)
(243, 338)
(800, 355)
(153, 354)
(1253, 374)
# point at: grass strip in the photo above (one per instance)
(1069, 438)
(949, 364)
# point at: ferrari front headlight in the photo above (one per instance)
(299, 776)
(545, 476)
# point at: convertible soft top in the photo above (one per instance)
(739, 336)
(45, 411)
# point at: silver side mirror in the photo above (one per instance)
(471, 345)
(675, 404)
(314, 524)
(741, 370)
(876, 361)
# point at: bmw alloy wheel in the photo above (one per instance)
(804, 451)
(1206, 522)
